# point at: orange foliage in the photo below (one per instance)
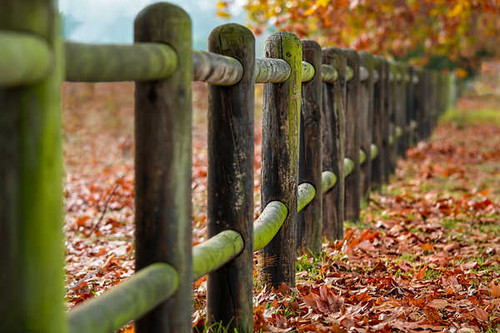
(458, 29)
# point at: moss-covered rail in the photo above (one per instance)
(334, 123)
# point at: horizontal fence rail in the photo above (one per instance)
(334, 123)
(152, 61)
(25, 59)
(108, 63)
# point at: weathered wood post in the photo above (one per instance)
(426, 111)
(163, 166)
(353, 136)
(410, 107)
(230, 178)
(310, 222)
(366, 127)
(377, 171)
(385, 78)
(32, 256)
(280, 150)
(434, 98)
(400, 117)
(419, 95)
(333, 137)
(406, 106)
(393, 107)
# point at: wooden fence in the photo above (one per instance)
(334, 123)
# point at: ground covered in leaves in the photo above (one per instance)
(424, 258)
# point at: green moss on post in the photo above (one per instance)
(280, 150)
(31, 282)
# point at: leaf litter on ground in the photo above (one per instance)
(424, 258)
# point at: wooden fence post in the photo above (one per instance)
(410, 107)
(280, 150)
(377, 171)
(366, 127)
(434, 99)
(400, 117)
(230, 179)
(333, 137)
(163, 166)
(386, 85)
(426, 103)
(309, 226)
(32, 256)
(353, 136)
(392, 117)
(419, 103)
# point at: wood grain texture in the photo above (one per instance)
(271, 70)
(31, 234)
(353, 137)
(111, 62)
(230, 178)
(333, 143)
(280, 150)
(163, 167)
(309, 223)
(216, 69)
(366, 123)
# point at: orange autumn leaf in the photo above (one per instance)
(428, 247)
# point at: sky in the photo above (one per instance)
(111, 21)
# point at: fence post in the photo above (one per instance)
(377, 135)
(280, 150)
(400, 117)
(353, 136)
(310, 220)
(434, 100)
(32, 256)
(386, 84)
(392, 116)
(230, 179)
(426, 103)
(410, 106)
(163, 166)
(419, 97)
(366, 128)
(333, 137)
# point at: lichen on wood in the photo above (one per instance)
(128, 301)
(329, 179)
(216, 252)
(114, 62)
(26, 59)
